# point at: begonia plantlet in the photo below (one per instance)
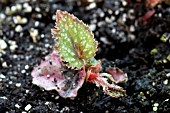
(73, 62)
(153, 3)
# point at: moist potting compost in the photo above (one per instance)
(133, 39)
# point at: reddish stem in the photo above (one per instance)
(147, 16)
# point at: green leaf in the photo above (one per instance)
(75, 41)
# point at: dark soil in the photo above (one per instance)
(136, 48)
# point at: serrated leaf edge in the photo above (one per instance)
(55, 30)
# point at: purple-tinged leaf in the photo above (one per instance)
(117, 74)
(52, 75)
(100, 79)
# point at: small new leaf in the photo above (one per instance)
(75, 41)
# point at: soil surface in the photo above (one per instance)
(135, 45)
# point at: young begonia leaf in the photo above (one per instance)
(117, 74)
(101, 79)
(75, 41)
(52, 75)
(112, 90)
(76, 47)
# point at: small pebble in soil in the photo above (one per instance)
(47, 45)
(15, 56)
(168, 57)
(165, 37)
(155, 106)
(13, 9)
(124, 2)
(165, 82)
(101, 13)
(2, 76)
(108, 20)
(42, 35)
(36, 24)
(3, 44)
(3, 97)
(27, 91)
(27, 8)
(166, 100)
(53, 17)
(17, 106)
(10, 82)
(105, 40)
(28, 107)
(164, 61)
(18, 28)
(92, 27)
(18, 84)
(100, 23)
(91, 6)
(26, 67)
(7, 10)
(13, 48)
(153, 83)
(106, 111)
(57, 97)
(4, 64)
(18, 7)
(131, 14)
(131, 36)
(132, 28)
(117, 12)
(37, 9)
(65, 109)
(23, 71)
(20, 20)
(39, 16)
(124, 17)
(113, 30)
(46, 103)
(168, 74)
(110, 11)
(2, 16)
(34, 34)
(159, 15)
(154, 51)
